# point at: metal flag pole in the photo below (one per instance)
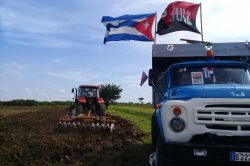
(155, 26)
(201, 23)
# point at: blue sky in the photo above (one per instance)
(47, 47)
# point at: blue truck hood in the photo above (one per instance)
(209, 91)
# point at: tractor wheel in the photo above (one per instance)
(100, 109)
(68, 111)
(85, 108)
(79, 109)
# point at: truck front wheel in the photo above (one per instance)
(154, 132)
(161, 157)
(160, 152)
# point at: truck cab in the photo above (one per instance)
(202, 103)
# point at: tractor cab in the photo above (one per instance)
(88, 91)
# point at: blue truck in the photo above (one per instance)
(201, 96)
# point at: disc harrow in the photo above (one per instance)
(85, 122)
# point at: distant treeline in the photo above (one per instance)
(21, 102)
(131, 103)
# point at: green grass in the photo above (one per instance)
(140, 116)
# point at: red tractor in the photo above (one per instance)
(86, 111)
(87, 100)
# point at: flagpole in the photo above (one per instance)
(201, 23)
(155, 26)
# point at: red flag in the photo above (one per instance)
(178, 16)
(144, 78)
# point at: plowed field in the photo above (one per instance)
(29, 138)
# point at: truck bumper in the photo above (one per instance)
(216, 154)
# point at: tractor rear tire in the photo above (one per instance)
(79, 109)
(69, 110)
(101, 109)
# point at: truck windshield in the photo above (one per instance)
(209, 75)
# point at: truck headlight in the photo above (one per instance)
(177, 124)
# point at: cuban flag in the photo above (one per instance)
(129, 27)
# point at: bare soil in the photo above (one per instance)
(30, 139)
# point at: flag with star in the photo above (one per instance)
(129, 27)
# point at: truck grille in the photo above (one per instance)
(224, 117)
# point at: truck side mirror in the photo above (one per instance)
(153, 77)
(73, 90)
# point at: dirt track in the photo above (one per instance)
(29, 139)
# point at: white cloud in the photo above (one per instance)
(26, 23)
(28, 91)
(80, 75)
(133, 93)
(4, 89)
(62, 90)
(41, 93)
(40, 40)
(14, 68)
(58, 60)
(3, 76)
(36, 94)
(131, 80)
(138, 6)
(26, 18)
(226, 20)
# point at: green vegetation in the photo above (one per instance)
(110, 93)
(138, 115)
